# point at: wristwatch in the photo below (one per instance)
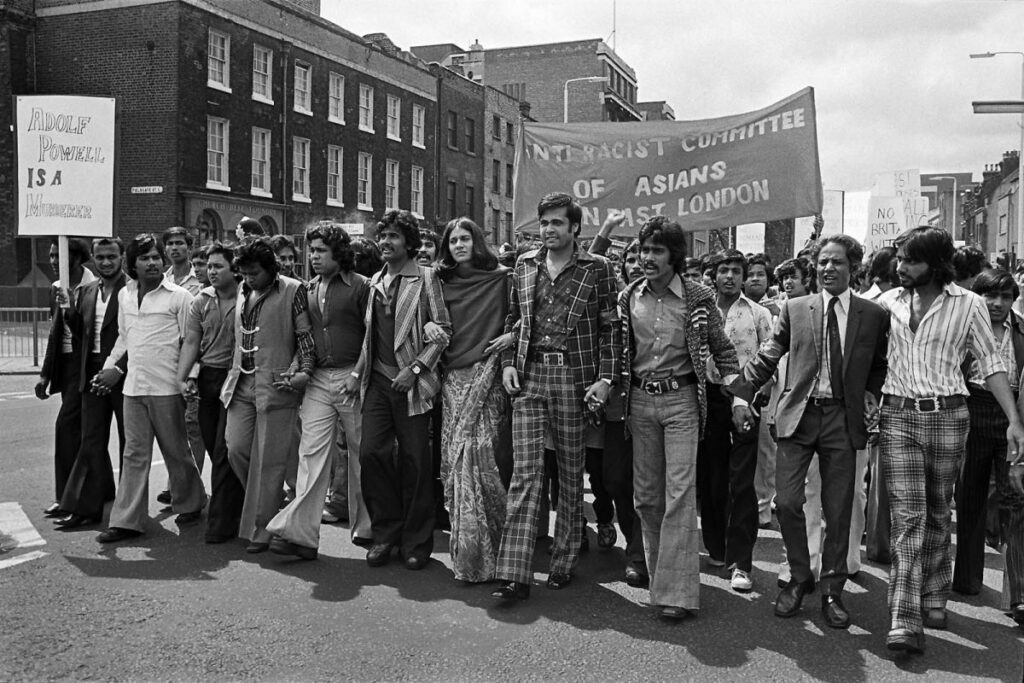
(416, 369)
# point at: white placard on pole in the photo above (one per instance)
(65, 165)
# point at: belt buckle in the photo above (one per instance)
(927, 405)
(552, 358)
(653, 387)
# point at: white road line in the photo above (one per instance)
(16, 531)
(10, 562)
(16, 397)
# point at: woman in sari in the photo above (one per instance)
(476, 433)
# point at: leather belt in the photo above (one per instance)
(664, 385)
(548, 357)
(932, 404)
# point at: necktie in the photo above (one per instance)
(835, 350)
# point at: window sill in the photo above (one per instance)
(302, 199)
(333, 119)
(218, 86)
(256, 192)
(336, 202)
(260, 98)
(419, 144)
(220, 187)
(366, 130)
(364, 207)
(394, 137)
(300, 110)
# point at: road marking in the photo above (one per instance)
(10, 562)
(16, 396)
(16, 531)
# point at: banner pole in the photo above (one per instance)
(64, 266)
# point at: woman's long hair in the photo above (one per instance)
(482, 257)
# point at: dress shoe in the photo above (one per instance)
(186, 518)
(75, 520)
(675, 613)
(415, 562)
(115, 534)
(715, 562)
(791, 597)
(328, 517)
(934, 618)
(55, 511)
(905, 640)
(636, 577)
(256, 547)
(1017, 613)
(606, 535)
(378, 555)
(557, 582)
(362, 542)
(214, 539)
(834, 612)
(512, 590)
(283, 547)
(164, 497)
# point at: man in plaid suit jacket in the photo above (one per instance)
(563, 313)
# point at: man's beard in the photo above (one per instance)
(921, 280)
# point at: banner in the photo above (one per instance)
(707, 174)
(65, 165)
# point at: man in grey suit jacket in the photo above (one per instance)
(837, 346)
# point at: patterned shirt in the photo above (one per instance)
(747, 325)
(1005, 345)
(551, 305)
(926, 363)
(251, 316)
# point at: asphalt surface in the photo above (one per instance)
(167, 607)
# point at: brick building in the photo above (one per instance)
(459, 163)
(538, 74)
(235, 109)
(659, 110)
(990, 211)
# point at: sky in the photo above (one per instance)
(893, 81)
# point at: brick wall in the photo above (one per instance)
(499, 148)
(457, 164)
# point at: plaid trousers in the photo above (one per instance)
(921, 456)
(549, 399)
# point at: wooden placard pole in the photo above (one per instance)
(64, 268)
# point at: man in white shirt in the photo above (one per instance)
(152, 318)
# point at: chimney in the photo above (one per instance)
(524, 109)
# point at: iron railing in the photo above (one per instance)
(24, 332)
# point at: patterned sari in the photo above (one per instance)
(475, 433)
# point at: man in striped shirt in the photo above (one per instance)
(924, 423)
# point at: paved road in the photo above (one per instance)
(168, 607)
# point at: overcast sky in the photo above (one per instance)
(893, 81)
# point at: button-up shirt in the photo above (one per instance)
(747, 325)
(213, 319)
(659, 331)
(926, 363)
(824, 383)
(151, 333)
(552, 300)
(250, 326)
(1005, 346)
(190, 282)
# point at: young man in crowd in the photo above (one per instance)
(563, 314)
(199, 260)
(399, 381)
(61, 367)
(924, 423)
(287, 256)
(202, 369)
(273, 359)
(337, 309)
(836, 344)
(727, 459)
(759, 278)
(152, 317)
(94, 322)
(667, 407)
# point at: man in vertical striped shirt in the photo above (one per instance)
(924, 423)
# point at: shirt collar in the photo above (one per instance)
(844, 298)
(577, 255)
(675, 285)
(344, 276)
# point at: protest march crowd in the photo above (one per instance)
(422, 382)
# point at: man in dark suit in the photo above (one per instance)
(837, 348)
(61, 367)
(563, 312)
(93, 322)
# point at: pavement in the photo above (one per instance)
(19, 366)
(167, 607)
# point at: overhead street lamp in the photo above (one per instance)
(565, 91)
(1010, 107)
(956, 221)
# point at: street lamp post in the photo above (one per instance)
(956, 221)
(565, 91)
(1020, 152)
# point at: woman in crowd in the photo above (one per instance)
(476, 436)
